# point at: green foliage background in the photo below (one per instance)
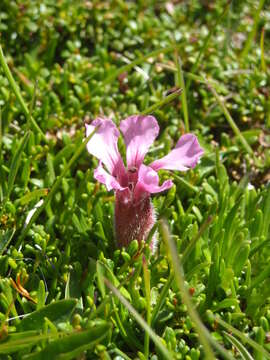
(74, 60)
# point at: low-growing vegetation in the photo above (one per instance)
(66, 290)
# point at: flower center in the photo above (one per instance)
(132, 177)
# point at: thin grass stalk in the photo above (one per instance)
(138, 61)
(194, 240)
(156, 339)
(230, 120)
(32, 104)
(182, 181)
(184, 258)
(120, 353)
(204, 335)
(236, 343)
(55, 186)
(263, 65)
(162, 298)
(243, 337)
(205, 44)
(180, 82)
(18, 95)
(162, 102)
(253, 32)
(179, 277)
(146, 276)
(1, 158)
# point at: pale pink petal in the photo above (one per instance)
(148, 182)
(183, 157)
(101, 175)
(139, 134)
(103, 144)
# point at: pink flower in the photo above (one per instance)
(134, 183)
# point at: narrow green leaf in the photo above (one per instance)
(261, 277)
(147, 286)
(266, 213)
(55, 312)
(103, 271)
(33, 195)
(69, 346)
(55, 186)
(41, 295)
(137, 61)
(244, 338)
(21, 340)
(18, 95)
(253, 32)
(162, 102)
(263, 65)
(15, 163)
(156, 339)
(206, 41)
(241, 349)
(180, 82)
(5, 239)
(224, 304)
(202, 331)
(230, 120)
(162, 298)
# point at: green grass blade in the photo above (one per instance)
(120, 353)
(162, 298)
(263, 65)
(55, 186)
(146, 276)
(73, 344)
(253, 32)
(241, 349)
(205, 44)
(180, 82)
(230, 120)
(32, 104)
(19, 341)
(167, 355)
(15, 163)
(182, 181)
(266, 214)
(55, 311)
(201, 330)
(162, 102)
(263, 275)
(194, 240)
(204, 336)
(1, 159)
(33, 195)
(5, 239)
(243, 337)
(18, 95)
(137, 61)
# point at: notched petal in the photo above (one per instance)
(148, 182)
(139, 134)
(184, 156)
(103, 144)
(101, 175)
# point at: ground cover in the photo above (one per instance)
(67, 291)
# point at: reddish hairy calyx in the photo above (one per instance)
(133, 220)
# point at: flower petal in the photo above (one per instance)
(139, 133)
(183, 157)
(148, 183)
(103, 144)
(101, 175)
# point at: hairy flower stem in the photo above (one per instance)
(133, 220)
